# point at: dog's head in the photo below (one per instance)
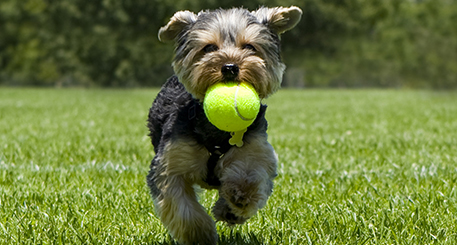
(229, 45)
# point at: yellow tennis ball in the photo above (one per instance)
(231, 106)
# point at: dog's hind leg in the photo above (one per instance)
(173, 174)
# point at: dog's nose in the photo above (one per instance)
(230, 71)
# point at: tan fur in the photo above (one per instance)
(197, 71)
(246, 174)
(179, 20)
(205, 71)
(280, 19)
(237, 38)
(177, 206)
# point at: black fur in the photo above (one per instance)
(175, 114)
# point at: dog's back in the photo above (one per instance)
(171, 99)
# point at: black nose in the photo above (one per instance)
(230, 71)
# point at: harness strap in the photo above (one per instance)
(216, 153)
(211, 178)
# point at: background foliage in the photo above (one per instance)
(350, 43)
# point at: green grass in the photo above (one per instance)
(356, 167)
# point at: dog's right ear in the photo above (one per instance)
(176, 25)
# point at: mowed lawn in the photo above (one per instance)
(356, 167)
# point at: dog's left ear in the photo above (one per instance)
(279, 19)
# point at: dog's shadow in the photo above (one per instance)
(235, 238)
(238, 239)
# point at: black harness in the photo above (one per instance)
(216, 148)
(190, 122)
(215, 140)
(211, 178)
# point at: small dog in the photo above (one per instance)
(214, 47)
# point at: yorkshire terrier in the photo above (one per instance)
(214, 47)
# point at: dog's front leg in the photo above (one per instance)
(176, 169)
(246, 174)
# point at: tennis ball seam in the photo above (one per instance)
(229, 106)
(236, 105)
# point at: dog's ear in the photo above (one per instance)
(177, 23)
(279, 19)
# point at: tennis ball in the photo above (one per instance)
(231, 106)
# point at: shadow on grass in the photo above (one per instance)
(239, 239)
(233, 239)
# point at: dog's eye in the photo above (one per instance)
(210, 48)
(250, 47)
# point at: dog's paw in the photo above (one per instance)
(222, 212)
(240, 197)
(244, 198)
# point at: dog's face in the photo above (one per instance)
(229, 45)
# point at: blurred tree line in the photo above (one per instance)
(344, 43)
